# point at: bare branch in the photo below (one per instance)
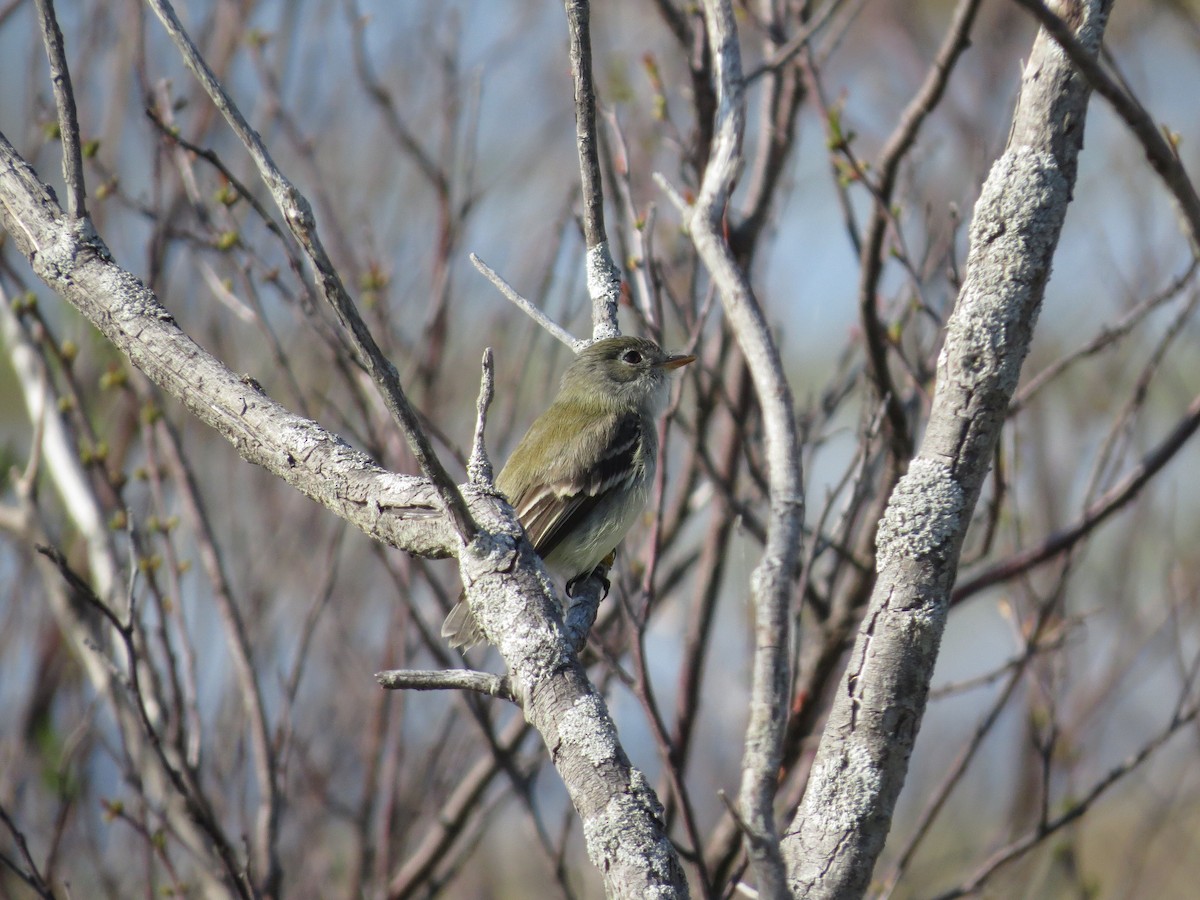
(927, 97)
(297, 212)
(861, 764)
(1183, 717)
(556, 330)
(1098, 511)
(68, 119)
(771, 581)
(479, 467)
(603, 279)
(1106, 337)
(401, 511)
(456, 812)
(446, 680)
(32, 877)
(556, 696)
(266, 851)
(1162, 153)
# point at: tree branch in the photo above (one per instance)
(1162, 154)
(64, 100)
(555, 330)
(1098, 511)
(402, 511)
(297, 212)
(446, 680)
(901, 141)
(771, 581)
(862, 761)
(520, 615)
(603, 279)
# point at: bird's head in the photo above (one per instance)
(623, 373)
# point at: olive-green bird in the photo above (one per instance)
(581, 476)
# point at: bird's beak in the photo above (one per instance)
(677, 360)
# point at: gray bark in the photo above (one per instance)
(840, 828)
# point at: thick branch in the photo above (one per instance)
(862, 761)
(398, 510)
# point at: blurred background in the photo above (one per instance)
(423, 132)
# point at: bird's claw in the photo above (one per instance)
(577, 582)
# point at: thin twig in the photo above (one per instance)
(1162, 153)
(1103, 507)
(1107, 335)
(677, 200)
(527, 307)
(33, 877)
(479, 467)
(603, 279)
(266, 765)
(68, 119)
(1043, 830)
(455, 814)
(446, 680)
(871, 260)
(195, 801)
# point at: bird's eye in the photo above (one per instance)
(632, 357)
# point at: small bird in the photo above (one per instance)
(581, 476)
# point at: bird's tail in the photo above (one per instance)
(460, 628)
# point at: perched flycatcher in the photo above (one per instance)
(582, 474)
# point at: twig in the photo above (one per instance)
(446, 680)
(1106, 336)
(297, 212)
(787, 51)
(196, 803)
(933, 805)
(677, 200)
(210, 156)
(1044, 829)
(526, 306)
(870, 259)
(267, 864)
(782, 95)
(455, 814)
(603, 279)
(68, 119)
(1104, 506)
(479, 467)
(639, 227)
(644, 691)
(33, 877)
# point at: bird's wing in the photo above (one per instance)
(564, 496)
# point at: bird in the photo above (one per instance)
(581, 475)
